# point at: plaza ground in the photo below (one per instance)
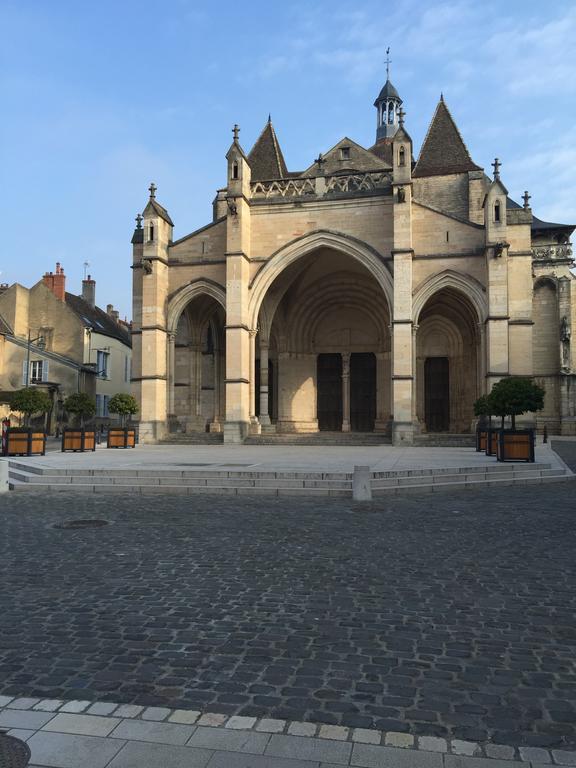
(450, 615)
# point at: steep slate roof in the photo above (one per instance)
(96, 319)
(159, 210)
(443, 151)
(265, 158)
(538, 224)
(388, 92)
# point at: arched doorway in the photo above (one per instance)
(325, 325)
(196, 389)
(448, 352)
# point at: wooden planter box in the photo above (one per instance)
(481, 434)
(78, 439)
(122, 437)
(516, 445)
(23, 441)
(491, 443)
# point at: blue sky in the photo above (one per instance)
(99, 99)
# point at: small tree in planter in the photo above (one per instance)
(124, 405)
(82, 406)
(24, 441)
(483, 429)
(512, 397)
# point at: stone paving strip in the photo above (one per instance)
(81, 734)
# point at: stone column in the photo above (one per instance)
(346, 392)
(380, 424)
(195, 389)
(215, 425)
(264, 384)
(254, 423)
(171, 365)
(414, 375)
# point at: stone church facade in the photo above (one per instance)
(371, 292)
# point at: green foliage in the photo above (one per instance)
(30, 400)
(80, 404)
(482, 406)
(515, 395)
(124, 405)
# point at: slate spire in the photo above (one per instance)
(443, 151)
(265, 158)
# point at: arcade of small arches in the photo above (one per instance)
(321, 349)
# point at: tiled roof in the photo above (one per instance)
(388, 92)
(265, 158)
(538, 224)
(96, 319)
(443, 151)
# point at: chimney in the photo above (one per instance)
(56, 281)
(113, 313)
(89, 291)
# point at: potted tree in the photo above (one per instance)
(513, 396)
(79, 438)
(27, 440)
(124, 436)
(484, 425)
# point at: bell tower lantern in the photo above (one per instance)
(387, 106)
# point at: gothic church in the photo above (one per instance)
(370, 292)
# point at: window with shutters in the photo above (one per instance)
(37, 373)
(103, 364)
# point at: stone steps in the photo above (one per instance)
(193, 438)
(320, 439)
(444, 440)
(24, 477)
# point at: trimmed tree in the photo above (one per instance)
(482, 409)
(81, 405)
(514, 396)
(124, 405)
(29, 401)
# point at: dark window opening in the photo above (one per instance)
(234, 170)
(402, 156)
(497, 212)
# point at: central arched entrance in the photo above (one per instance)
(323, 348)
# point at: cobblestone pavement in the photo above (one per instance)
(566, 449)
(448, 615)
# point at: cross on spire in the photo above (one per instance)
(139, 221)
(388, 62)
(526, 197)
(496, 165)
(235, 132)
(320, 162)
(152, 189)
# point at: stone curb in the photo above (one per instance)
(536, 755)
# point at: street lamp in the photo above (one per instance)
(41, 344)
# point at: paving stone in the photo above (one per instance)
(48, 705)
(20, 733)
(22, 703)
(302, 748)
(241, 723)
(17, 718)
(369, 756)
(212, 719)
(236, 760)
(128, 710)
(403, 740)
(460, 747)
(564, 757)
(219, 647)
(101, 708)
(86, 725)
(432, 744)
(184, 716)
(269, 725)
(534, 755)
(61, 750)
(458, 761)
(365, 736)
(5, 700)
(500, 751)
(138, 755)
(155, 713)
(222, 739)
(154, 731)
(336, 732)
(75, 706)
(302, 729)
